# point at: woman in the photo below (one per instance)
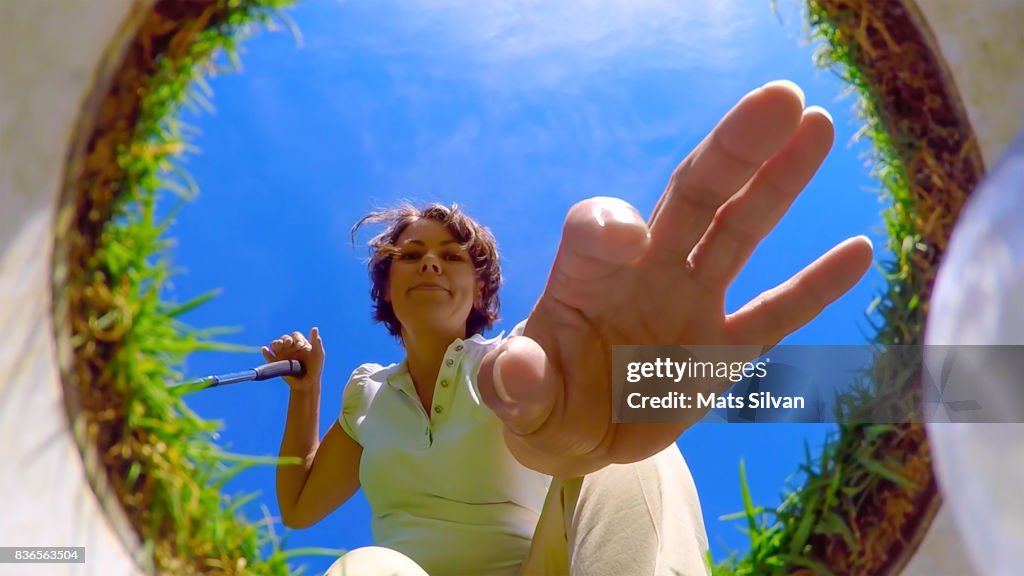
(499, 456)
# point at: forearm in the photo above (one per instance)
(301, 439)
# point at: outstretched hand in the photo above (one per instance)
(618, 280)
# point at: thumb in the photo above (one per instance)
(519, 383)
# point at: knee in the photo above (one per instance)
(375, 561)
(658, 493)
(664, 470)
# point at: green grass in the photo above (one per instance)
(174, 461)
(847, 471)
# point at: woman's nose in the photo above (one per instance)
(431, 264)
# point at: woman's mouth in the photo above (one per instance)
(429, 286)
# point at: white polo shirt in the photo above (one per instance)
(443, 488)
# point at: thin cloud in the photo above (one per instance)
(532, 28)
(534, 103)
(523, 44)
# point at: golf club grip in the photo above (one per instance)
(280, 368)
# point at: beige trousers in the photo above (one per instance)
(641, 519)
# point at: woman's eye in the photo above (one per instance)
(455, 257)
(409, 256)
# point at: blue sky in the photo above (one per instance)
(516, 111)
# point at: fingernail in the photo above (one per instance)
(790, 85)
(499, 384)
(614, 212)
(819, 110)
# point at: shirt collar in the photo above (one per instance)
(456, 350)
(485, 342)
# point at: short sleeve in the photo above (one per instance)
(355, 399)
(518, 329)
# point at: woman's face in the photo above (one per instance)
(433, 281)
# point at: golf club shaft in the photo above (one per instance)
(262, 372)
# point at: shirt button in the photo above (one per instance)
(458, 348)
(449, 362)
(438, 409)
(444, 383)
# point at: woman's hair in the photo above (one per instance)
(475, 238)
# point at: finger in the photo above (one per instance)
(598, 237)
(750, 215)
(316, 341)
(287, 341)
(267, 355)
(749, 134)
(781, 311)
(527, 392)
(277, 346)
(299, 340)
